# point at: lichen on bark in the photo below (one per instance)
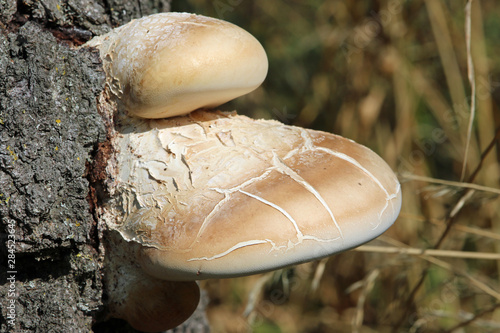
(49, 126)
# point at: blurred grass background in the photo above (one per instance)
(391, 75)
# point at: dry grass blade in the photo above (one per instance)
(318, 274)
(450, 221)
(458, 227)
(253, 296)
(429, 252)
(368, 284)
(442, 34)
(472, 81)
(453, 213)
(409, 176)
(456, 270)
(477, 283)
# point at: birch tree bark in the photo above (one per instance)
(50, 131)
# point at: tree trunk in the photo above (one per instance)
(50, 129)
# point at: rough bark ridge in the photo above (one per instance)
(50, 130)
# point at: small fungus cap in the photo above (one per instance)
(170, 64)
(215, 195)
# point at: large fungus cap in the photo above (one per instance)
(170, 64)
(214, 195)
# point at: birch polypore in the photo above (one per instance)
(214, 195)
(170, 64)
(148, 304)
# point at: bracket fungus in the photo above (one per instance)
(170, 64)
(197, 194)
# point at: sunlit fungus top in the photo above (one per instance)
(217, 195)
(170, 64)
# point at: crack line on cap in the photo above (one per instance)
(388, 197)
(300, 235)
(227, 196)
(309, 145)
(252, 242)
(285, 169)
(236, 247)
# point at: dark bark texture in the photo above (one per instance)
(50, 130)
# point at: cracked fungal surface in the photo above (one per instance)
(216, 194)
(204, 194)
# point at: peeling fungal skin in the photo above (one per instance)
(170, 64)
(214, 194)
